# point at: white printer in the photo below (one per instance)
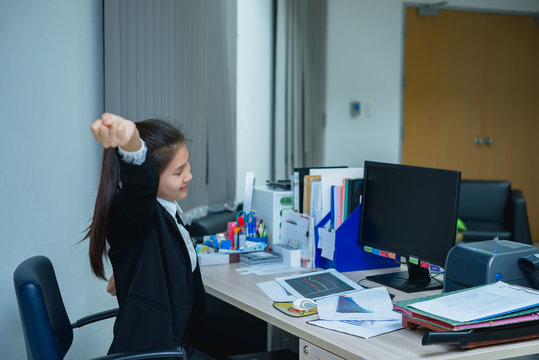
(482, 262)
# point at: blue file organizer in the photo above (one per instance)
(349, 256)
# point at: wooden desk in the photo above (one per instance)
(224, 282)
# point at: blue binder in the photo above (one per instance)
(349, 256)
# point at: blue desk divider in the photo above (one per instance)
(349, 256)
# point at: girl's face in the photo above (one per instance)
(174, 179)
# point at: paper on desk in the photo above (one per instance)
(278, 270)
(252, 269)
(368, 304)
(268, 269)
(481, 302)
(365, 329)
(326, 242)
(275, 291)
(295, 231)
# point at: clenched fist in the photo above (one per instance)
(113, 130)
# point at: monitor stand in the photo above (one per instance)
(413, 280)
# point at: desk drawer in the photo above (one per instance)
(308, 351)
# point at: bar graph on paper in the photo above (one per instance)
(318, 285)
(347, 305)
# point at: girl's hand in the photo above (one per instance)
(111, 286)
(113, 130)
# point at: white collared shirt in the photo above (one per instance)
(172, 207)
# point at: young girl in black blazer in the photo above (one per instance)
(157, 278)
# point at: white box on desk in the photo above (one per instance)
(269, 204)
(291, 257)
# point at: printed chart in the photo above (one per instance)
(346, 304)
(318, 284)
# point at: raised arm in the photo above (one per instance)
(132, 195)
(113, 130)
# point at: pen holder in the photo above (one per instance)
(257, 239)
(253, 244)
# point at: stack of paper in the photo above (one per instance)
(483, 306)
(365, 313)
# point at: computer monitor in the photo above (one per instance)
(411, 212)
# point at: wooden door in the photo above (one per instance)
(471, 98)
(482, 137)
(519, 111)
(435, 107)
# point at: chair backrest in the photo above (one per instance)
(483, 200)
(46, 326)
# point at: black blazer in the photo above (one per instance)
(161, 300)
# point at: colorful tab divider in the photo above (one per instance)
(434, 268)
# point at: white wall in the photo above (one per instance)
(365, 57)
(253, 97)
(50, 92)
(363, 60)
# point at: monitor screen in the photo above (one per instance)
(412, 212)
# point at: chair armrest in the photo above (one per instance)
(95, 317)
(153, 354)
(521, 226)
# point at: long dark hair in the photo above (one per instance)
(162, 140)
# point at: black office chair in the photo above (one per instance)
(492, 208)
(48, 332)
(214, 222)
